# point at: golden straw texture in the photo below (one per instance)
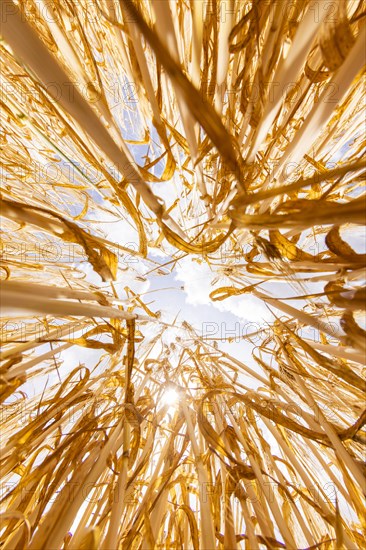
(138, 136)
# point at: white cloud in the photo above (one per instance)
(198, 279)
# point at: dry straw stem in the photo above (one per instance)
(226, 132)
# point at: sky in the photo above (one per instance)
(183, 294)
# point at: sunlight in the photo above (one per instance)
(170, 397)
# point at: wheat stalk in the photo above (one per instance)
(231, 132)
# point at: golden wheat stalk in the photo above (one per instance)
(231, 131)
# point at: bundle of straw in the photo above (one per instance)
(228, 131)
